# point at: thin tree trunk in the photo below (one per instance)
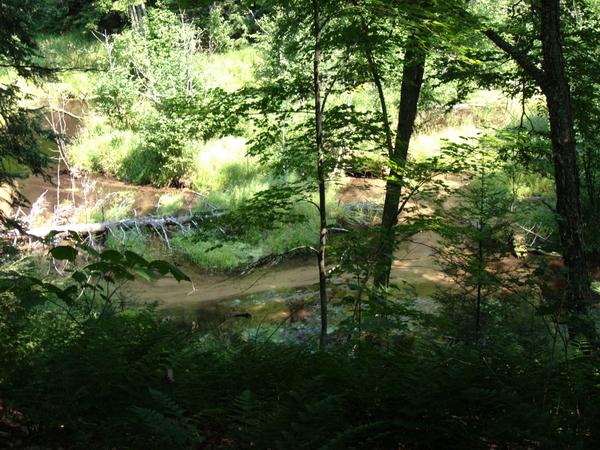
(412, 81)
(480, 263)
(320, 174)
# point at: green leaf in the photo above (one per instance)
(145, 274)
(120, 272)
(179, 274)
(64, 252)
(160, 266)
(112, 256)
(100, 266)
(135, 259)
(163, 267)
(66, 295)
(89, 250)
(79, 276)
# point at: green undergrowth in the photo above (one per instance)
(113, 207)
(169, 204)
(226, 254)
(156, 385)
(218, 167)
(79, 58)
(216, 253)
(230, 70)
(130, 240)
(101, 148)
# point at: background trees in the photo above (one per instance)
(18, 132)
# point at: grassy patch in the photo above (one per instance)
(229, 71)
(221, 164)
(103, 148)
(169, 204)
(76, 51)
(215, 254)
(115, 206)
(210, 255)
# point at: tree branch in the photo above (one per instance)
(521, 58)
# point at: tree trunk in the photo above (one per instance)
(555, 86)
(412, 81)
(320, 174)
(588, 173)
(566, 173)
(138, 14)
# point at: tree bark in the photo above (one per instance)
(410, 90)
(320, 174)
(566, 172)
(552, 80)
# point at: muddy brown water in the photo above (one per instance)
(91, 189)
(414, 262)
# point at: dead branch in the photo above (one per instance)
(103, 227)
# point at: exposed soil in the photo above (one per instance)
(361, 190)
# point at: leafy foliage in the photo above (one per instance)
(19, 152)
(475, 235)
(485, 364)
(154, 65)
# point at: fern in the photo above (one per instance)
(169, 427)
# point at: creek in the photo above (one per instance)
(264, 292)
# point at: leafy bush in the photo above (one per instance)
(115, 96)
(153, 86)
(84, 370)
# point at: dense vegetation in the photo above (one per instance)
(434, 164)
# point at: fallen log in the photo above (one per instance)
(102, 227)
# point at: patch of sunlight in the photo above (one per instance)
(169, 204)
(429, 144)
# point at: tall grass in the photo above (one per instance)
(135, 242)
(80, 58)
(230, 70)
(102, 148)
(255, 244)
(222, 164)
